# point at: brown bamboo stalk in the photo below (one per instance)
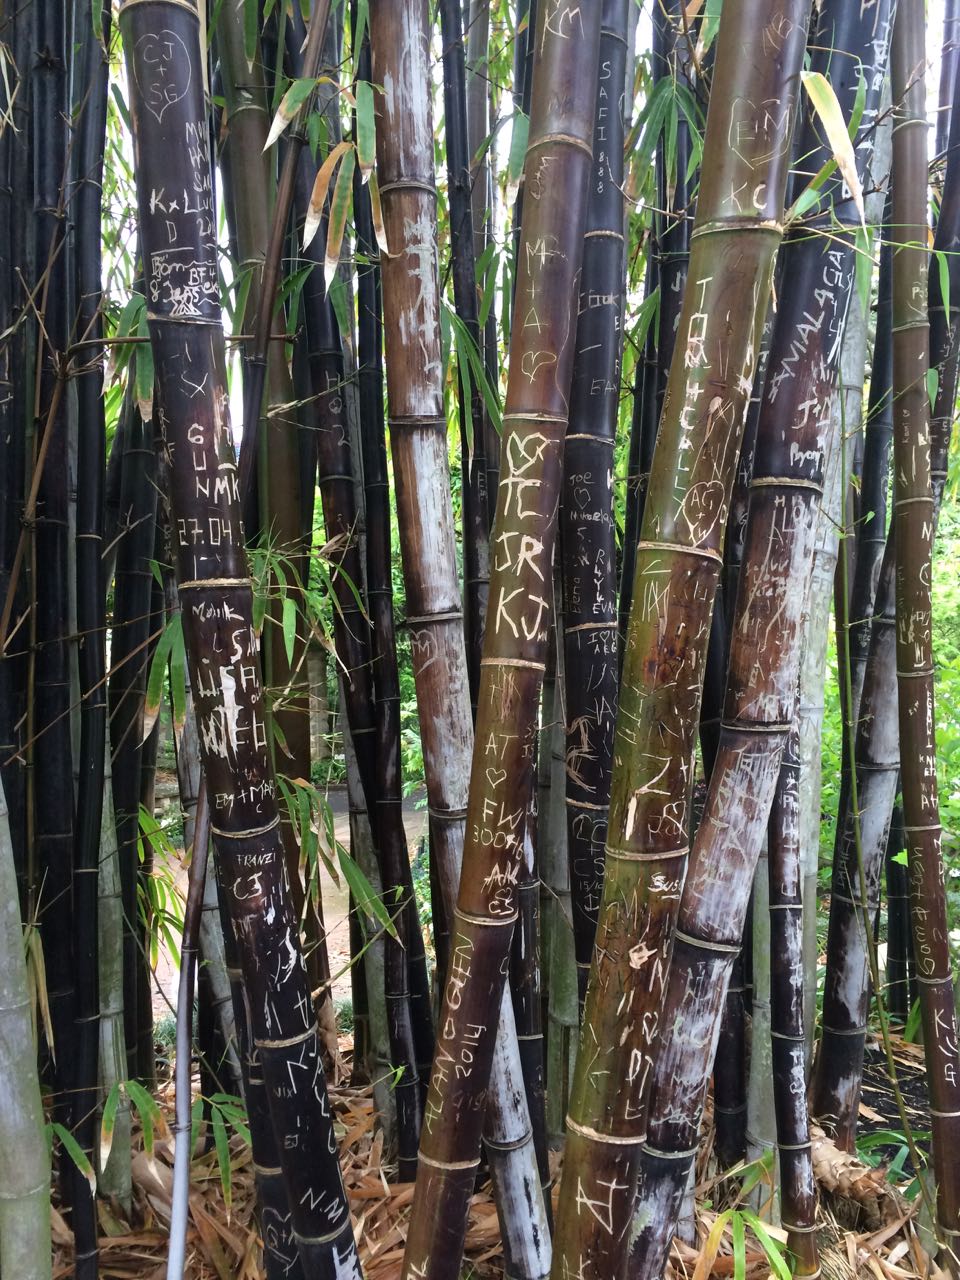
(171, 152)
(418, 438)
(915, 519)
(733, 246)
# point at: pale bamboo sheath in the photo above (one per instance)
(178, 240)
(733, 245)
(914, 516)
(418, 439)
(24, 1159)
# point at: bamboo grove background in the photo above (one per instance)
(540, 413)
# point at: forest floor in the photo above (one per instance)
(868, 1226)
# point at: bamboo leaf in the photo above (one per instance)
(154, 692)
(943, 275)
(821, 94)
(364, 894)
(222, 1144)
(108, 1123)
(96, 18)
(933, 385)
(290, 104)
(518, 152)
(739, 1247)
(366, 130)
(151, 1118)
(178, 676)
(376, 212)
(770, 1246)
(711, 1247)
(321, 185)
(339, 207)
(76, 1153)
(251, 14)
(289, 623)
(143, 380)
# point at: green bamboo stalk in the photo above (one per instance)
(914, 513)
(171, 152)
(733, 245)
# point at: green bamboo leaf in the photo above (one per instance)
(108, 1123)
(73, 1149)
(518, 152)
(222, 1144)
(321, 185)
(339, 207)
(366, 130)
(739, 1247)
(146, 1108)
(289, 623)
(154, 692)
(933, 385)
(821, 94)
(363, 892)
(178, 676)
(290, 104)
(771, 1247)
(943, 275)
(251, 15)
(143, 382)
(96, 18)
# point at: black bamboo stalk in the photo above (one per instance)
(914, 514)
(474, 428)
(677, 569)
(798, 1192)
(171, 149)
(949, 58)
(788, 476)
(899, 959)
(587, 536)
(52, 752)
(127, 684)
(93, 69)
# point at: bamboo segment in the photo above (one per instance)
(178, 235)
(535, 416)
(405, 148)
(915, 517)
(587, 532)
(798, 1194)
(797, 432)
(733, 246)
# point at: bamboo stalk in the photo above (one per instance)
(171, 146)
(914, 513)
(399, 45)
(587, 531)
(678, 564)
(557, 165)
(796, 435)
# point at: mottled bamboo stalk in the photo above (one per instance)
(797, 433)
(418, 438)
(171, 152)
(914, 514)
(733, 245)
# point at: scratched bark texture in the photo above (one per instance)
(863, 830)
(797, 431)
(914, 514)
(178, 241)
(587, 533)
(556, 174)
(733, 245)
(399, 37)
